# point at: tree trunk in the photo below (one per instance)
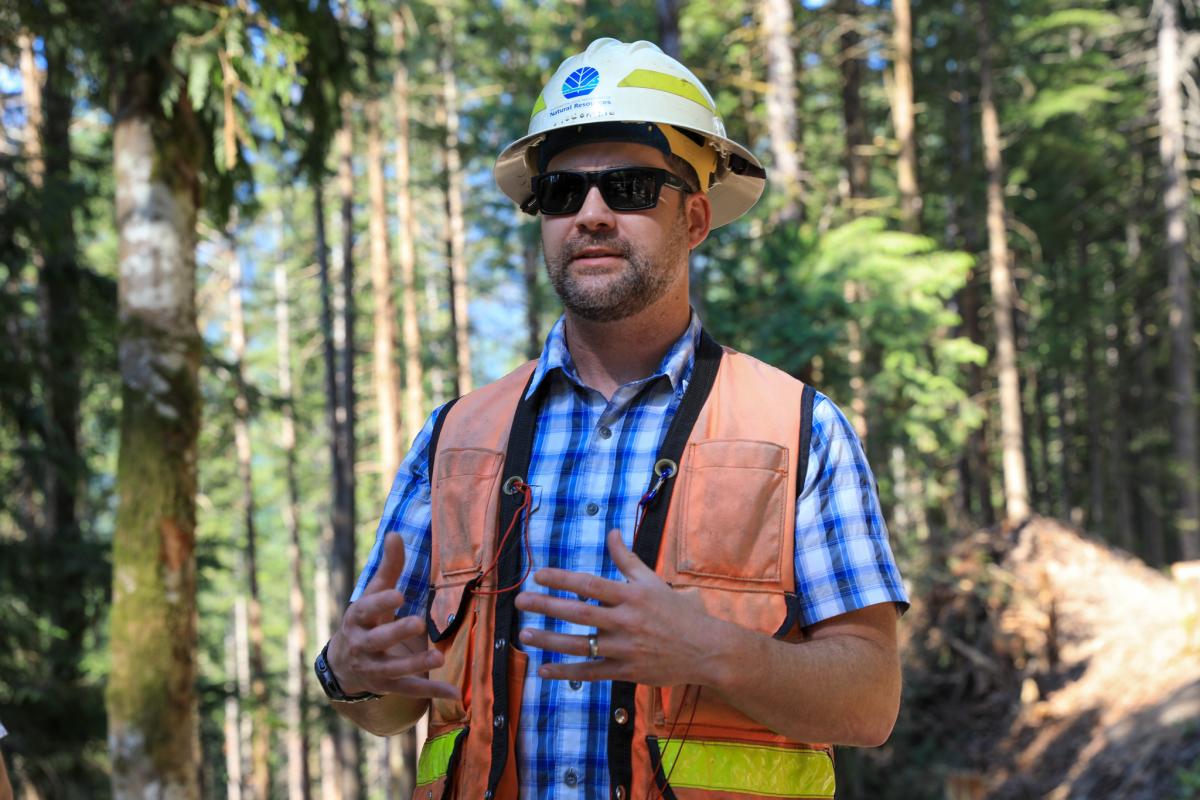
(60, 280)
(668, 26)
(437, 376)
(776, 23)
(151, 695)
(1183, 349)
(1004, 300)
(858, 167)
(297, 639)
(857, 179)
(232, 723)
(1096, 522)
(904, 117)
(331, 786)
(387, 377)
(456, 239)
(343, 563)
(241, 652)
(533, 295)
(260, 775)
(414, 381)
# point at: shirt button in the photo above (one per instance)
(571, 777)
(621, 716)
(606, 432)
(576, 685)
(619, 793)
(593, 509)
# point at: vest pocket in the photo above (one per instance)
(450, 624)
(466, 479)
(734, 510)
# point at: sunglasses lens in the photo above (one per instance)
(630, 189)
(623, 189)
(561, 192)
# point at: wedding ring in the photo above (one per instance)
(594, 645)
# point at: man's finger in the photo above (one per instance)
(627, 561)
(390, 566)
(592, 587)
(589, 614)
(382, 637)
(373, 609)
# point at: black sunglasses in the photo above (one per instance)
(623, 189)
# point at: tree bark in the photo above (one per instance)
(904, 117)
(857, 179)
(232, 722)
(387, 375)
(456, 238)
(297, 639)
(531, 268)
(1004, 300)
(776, 23)
(1096, 457)
(1183, 350)
(858, 167)
(344, 564)
(260, 773)
(331, 785)
(414, 380)
(151, 696)
(668, 26)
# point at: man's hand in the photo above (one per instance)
(375, 652)
(646, 633)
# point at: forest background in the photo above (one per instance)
(248, 245)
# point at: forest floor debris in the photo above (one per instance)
(1043, 664)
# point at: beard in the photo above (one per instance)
(645, 279)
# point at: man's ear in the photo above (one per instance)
(698, 211)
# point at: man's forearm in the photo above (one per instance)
(841, 686)
(385, 716)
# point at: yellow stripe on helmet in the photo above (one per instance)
(672, 84)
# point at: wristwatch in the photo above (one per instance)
(329, 681)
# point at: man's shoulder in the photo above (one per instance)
(750, 367)
(511, 384)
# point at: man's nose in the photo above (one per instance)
(594, 213)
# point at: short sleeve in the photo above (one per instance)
(407, 513)
(843, 559)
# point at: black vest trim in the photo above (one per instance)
(436, 434)
(508, 572)
(649, 540)
(660, 774)
(807, 398)
(806, 411)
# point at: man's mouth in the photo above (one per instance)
(589, 253)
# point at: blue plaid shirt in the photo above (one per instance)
(592, 460)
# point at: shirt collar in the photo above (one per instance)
(676, 364)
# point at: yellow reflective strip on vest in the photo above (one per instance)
(435, 757)
(650, 79)
(540, 105)
(749, 769)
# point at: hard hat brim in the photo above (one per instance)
(731, 197)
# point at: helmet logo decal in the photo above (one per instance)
(582, 81)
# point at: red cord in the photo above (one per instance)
(526, 503)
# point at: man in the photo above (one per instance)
(6, 792)
(644, 566)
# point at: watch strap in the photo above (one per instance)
(331, 685)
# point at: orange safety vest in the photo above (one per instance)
(723, 530)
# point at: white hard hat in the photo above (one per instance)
(615, 82)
